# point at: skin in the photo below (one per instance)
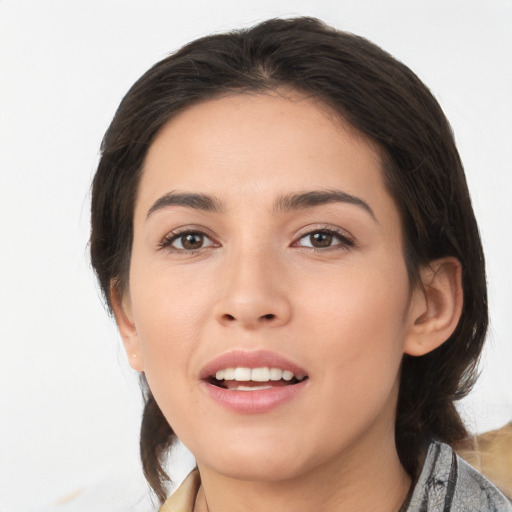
(344, 312)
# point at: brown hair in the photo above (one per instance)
(381, 98)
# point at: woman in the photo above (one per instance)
(283, 231)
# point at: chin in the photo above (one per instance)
(260, 468)
(264, 461)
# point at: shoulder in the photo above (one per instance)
(473, 487)
(447, 482)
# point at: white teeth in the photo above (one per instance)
(251, 388)
(276, 374)
(229, 374)
(242, 374)
(260, 374)
(226, 374)
(263, 374)
(287, 375)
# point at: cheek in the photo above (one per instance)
(357, 300)
(169, 313)
(360, 325)
(358, 334)
(169, 336)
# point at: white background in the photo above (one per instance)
(69, 404)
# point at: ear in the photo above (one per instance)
(122, 308)
(436, 306)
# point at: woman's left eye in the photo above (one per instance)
(324, 239)
(188, 241)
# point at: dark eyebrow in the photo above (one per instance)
(314, 198)
(190, 200)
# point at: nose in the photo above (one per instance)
(253, 293)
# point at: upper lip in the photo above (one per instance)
(249, 359)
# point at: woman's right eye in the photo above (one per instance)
(187, 241)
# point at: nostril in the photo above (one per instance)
(228, 318)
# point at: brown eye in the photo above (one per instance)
(187, 241)
(324, 239)
(191, 241)
(320, 239)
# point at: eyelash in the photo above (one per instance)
(167, 242)
(344, 240)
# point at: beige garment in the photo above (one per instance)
(184, 498)
(491, 454)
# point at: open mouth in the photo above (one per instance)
(254, 379)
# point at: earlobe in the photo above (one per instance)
(122, 308)
(436, 306)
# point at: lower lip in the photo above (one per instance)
(254, 402)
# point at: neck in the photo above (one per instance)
(369, 477)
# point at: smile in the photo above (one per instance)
(253, 382)
(254, 379)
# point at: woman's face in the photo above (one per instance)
(266, 247)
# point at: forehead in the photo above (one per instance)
(258, 146)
